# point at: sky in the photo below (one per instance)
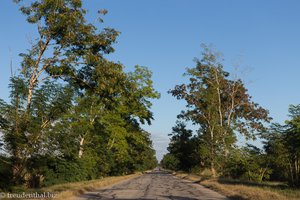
(261, 38)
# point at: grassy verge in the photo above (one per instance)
(71, 190)
(238, 190)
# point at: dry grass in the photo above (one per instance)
(71, 190)
(245, 191)
(191, 177)
(242, 192)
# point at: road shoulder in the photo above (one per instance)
(74, 190)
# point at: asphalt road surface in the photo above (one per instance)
(155, 185)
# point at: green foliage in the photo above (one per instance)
(183, 147)
(282, 148)
(73, 114)
(169, 161)
(220, 107)
(5, 173)
(248, 164)
(50, 170)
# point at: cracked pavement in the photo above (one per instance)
(155, 185)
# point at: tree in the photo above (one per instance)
(292, 138)
(67, 47)
(282, 147)
(67, 43)
(219, 105)
(21, 141)
(169, 161)
(183, 146)
(276, 152)
(70, 107)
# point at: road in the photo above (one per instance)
(155, 185)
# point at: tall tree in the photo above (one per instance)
(94, 95)
(67, 46)
(283, 147)
(219, 105)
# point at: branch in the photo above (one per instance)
(46, 65)
(42, 50)
(232, 103)
(5, 161)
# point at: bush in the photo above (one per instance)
(5, 173)
(46, 171)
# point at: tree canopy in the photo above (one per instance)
(71, 110)
(219, 105)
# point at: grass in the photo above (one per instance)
(242, 192)
(71, 190)
(238, 190)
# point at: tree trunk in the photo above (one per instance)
(213, 170)
(296, 172)
(212, 154)
(263, 171)
(29, 96)
(80, 153)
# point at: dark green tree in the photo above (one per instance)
(169, 161)
(282, 147)
(183, 147)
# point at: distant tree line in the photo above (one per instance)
(220, 106)
(73, 115)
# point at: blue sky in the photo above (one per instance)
(261, 37)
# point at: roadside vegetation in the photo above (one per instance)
(220, 107)
(75, 189)
(245, 190)
(73, 115)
